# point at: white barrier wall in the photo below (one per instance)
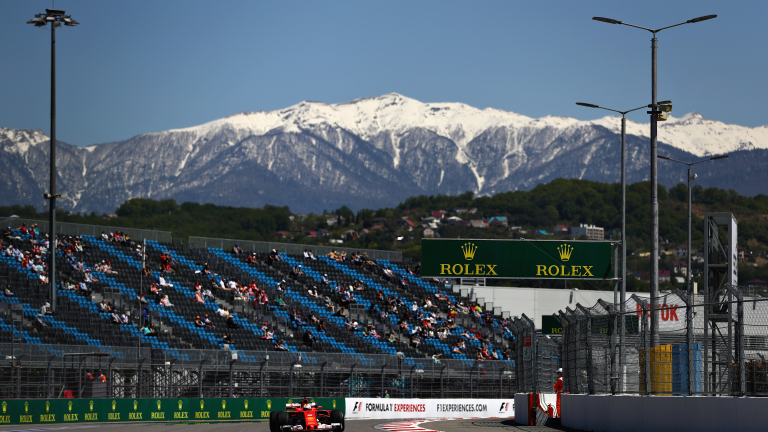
(384, 408)
(606, 413)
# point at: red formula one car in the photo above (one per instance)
(306, 416)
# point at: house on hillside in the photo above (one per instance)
(498, 221)
(681, 250)
(284, 234)
(664, 276)
(438, 214)
(350, 235)
(454, 220)
(561, 229)
(407, 224)
(428, 233)
(478, 223)
(323, 232)
(458, 210)
(538, 233)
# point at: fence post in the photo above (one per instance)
(442, 391)
(49, 377)
(612, 341)
(170, 378)
(412, 369)
(352, 373)
(231, 377)
(646, 344)
(200, 378)
(322, 377)
(501, 382)
(740, 361)
(382, 378)
(533, 351)
(690, 351)
(590, 372)
(261, 377)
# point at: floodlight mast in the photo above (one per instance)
(688, 275)
(654, 112)
(56, 17)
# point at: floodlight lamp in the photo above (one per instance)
(667, 108)
(54, 12)
(38, 21)
(606, 20)
(664, 102)
(702, 18)
(661, 116)
(587, 105)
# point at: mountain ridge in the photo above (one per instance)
(370, 152)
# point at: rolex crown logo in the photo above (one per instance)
(69, 405)
(469, 250)
(26, 406)
(245, 403)
(158, 404)
(223, 404)
(269, 403)
(202, 404)
(565, 252)
(180, 404)
(90, 405)
(135, 404)
(5, 406)
(47, 406)
(114, 404)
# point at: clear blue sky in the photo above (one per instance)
(142, 66)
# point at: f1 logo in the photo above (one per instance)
(358, 406)
(504, 406)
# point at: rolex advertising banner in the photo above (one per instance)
(42, 411)
(516, 259)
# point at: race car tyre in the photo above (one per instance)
(273, 426)
(337, 416)
(283, 419)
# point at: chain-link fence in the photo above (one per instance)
(707, 345)
(33, 371)
(289, 248)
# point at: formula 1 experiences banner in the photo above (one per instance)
(378, 408)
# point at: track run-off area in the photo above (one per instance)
(455, 425)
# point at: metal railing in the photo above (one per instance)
(713, 344)
(289, 248)
(30, 371)
(92, 230)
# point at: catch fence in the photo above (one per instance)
(32, 371)
(708, 344)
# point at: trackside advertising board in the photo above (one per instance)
(379, 408)
(516, 259)
(44, 411)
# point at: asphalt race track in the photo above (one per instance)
(474, 425)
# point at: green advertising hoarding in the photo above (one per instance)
(43, 411)
(516, 259)
(551, 325)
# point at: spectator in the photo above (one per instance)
(228, 339)
(162, 282)
(321, 327)
(141, 299)
(252, 259)
(206, 270)
(309, 340)
(103, 306)
(199, 322)
(231, 322)
(273, 257)
(146, 271)
(8, 292)
(115, 317)
(165, 301)
(280, 346)
(40, 322)
(269, 334)
(123, 318)
(207, 321)
(223, 312)
(46, 309)
(237, 250)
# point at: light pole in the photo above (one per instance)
(656, 115)
(623, 297)
(55, 17)
(689, 285)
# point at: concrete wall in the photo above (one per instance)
(535, 302)
(605, 413)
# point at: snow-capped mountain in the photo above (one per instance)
(370, 152)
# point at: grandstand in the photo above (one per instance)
(393, 313)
